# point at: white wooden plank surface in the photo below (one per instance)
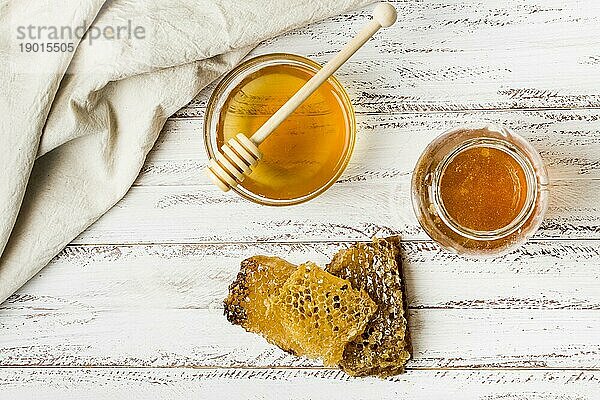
(133, 307)
(540, 275)
(299, 384)
(188, 337)
(388, 146)
(454, 55)
(353, 211)
(109, 317)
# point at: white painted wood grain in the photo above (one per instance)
(372, 196)
(188, 337)
(297, 384)
(540, 275)
(347, 211)
(455, 55)
(143, 287)
(388, 146)
(159, 305)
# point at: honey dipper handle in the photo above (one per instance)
(384, 15)
(240, 154)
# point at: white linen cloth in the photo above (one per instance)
(75, 128)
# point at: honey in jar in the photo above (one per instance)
(483, 188)
(309, 150)
(480, 191)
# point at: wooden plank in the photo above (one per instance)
(175, 383)
(447, 55)
(352, 211)
(388, 146)
(540, 275)
(157, 337)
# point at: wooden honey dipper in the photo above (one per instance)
(241, 154)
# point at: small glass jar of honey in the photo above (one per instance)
(480, 190)
(308, 152)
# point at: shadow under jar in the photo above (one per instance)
(304, 155)
(480, 190)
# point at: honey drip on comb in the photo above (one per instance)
(306, 150)
(483, 189)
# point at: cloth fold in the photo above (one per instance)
(77, 126)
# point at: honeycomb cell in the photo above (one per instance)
(327, 337)
(384, 346)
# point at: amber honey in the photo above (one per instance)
(483, 189)
(309, 149)
(480, 191)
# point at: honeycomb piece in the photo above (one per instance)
(260, 277)
(321, 312)
(384, 347)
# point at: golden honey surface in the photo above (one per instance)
(483, 188)
(307, 150)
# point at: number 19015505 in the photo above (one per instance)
(46, 47)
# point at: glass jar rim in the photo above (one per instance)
(428, 214)
(228, 83)
(526, 210)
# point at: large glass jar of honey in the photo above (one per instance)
(480, 190)
(308, 152)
